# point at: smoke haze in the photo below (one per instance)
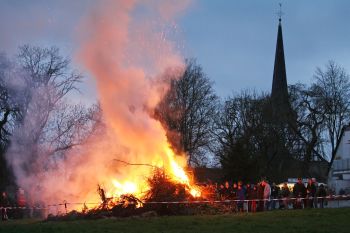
(128, 56)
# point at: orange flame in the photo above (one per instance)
(174, 170)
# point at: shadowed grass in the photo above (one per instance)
(316, 220)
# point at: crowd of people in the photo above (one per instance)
(265, 196)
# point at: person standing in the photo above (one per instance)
(4, 202)
(221, 192)
(241, 195)
(253, 196)
(234, 196)
(249, 193)
(321, 194)
(260, 196)
(274, 195)
(285, 193)
(299, 192)
(267, 195)
(314, 181)
(227, 191)
(311, 192)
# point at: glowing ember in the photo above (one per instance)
(195, 192)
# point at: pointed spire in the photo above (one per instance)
(279, 91)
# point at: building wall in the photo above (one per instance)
(339, 175)
(343, 151)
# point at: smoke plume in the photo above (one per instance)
(125, 47)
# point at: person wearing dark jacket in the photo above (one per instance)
(285, 193)
(253, 196)
(299, 192)
(241, 195)
(274, 195)
(227, 191)
(249, 193)
(311, 192)
(321, 194)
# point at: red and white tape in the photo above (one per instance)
(335, 198)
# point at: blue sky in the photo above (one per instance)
(234, 41)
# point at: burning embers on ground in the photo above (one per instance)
(166, 194)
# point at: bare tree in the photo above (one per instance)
(310, 121)
(48, 72)
(8, 113)
(322, 111)
(334, 87)
(47, 124)
(5, 108)
(187, 112)
(69, 126)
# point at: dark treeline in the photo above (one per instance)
(246, 137)
(240, 133)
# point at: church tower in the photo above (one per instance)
(281, 116)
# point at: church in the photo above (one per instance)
(283, 116)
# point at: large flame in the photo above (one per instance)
(127, 56)
(176, 173)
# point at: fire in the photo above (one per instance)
(125, 188)
(180, 175)
(173, 170)
(128, 57)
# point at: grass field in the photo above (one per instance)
(316, 220)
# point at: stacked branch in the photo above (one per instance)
(163, 189)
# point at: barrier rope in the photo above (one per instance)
(65, 204)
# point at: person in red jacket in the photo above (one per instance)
(21, 200)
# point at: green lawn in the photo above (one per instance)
(317, 220)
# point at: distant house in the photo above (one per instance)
(339, 174)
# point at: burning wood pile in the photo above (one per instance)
(163, 189)
(165, 196)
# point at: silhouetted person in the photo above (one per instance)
(299, 192)
(241, 195)
(311, 192)
(253, 196)
(274, 195)
(267, 194)
(249, 193)
(227, 191)
(285, 193)
(221, 192)
(4, 202)
(321, 194)
(260, 191)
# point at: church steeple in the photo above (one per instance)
(279, 93)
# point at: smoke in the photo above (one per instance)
(125, 46)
